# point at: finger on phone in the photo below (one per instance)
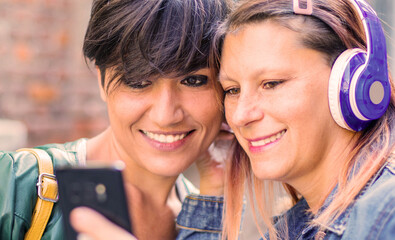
(95, 226)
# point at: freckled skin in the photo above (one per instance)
(273, 84)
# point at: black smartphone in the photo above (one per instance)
(98, 187)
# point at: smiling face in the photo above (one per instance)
(162, 125)
(276, 102)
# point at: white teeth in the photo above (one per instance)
(162, 138)
(268, 140)
(165, 138)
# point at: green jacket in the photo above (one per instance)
(18, 191)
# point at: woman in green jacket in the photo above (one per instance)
(164, 107)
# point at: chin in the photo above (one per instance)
(167, 169)
(267, 171)
(166, 173)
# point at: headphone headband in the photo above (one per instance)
(359, 88)
(303, 11)
(375, 45)
(371, 23)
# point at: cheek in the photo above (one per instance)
(307, 118)
(229, 109)
(204, 107)
(305, 104)
(123, 107)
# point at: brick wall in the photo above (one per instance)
(44, 80)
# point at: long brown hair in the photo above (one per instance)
(333, 27)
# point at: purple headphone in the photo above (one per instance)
(359, 88)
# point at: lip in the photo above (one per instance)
(265, 146)
(161, 146)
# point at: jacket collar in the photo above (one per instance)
(298, 217)
(339, 225)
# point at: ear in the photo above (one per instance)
(103, 94)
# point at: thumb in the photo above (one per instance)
(95, 226)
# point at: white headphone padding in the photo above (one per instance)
(335, 81)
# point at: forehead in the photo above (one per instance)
(259, 43)
(261, 47)
(263, 35)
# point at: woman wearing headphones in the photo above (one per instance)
(310, 100)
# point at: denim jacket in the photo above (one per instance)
(371, 216)
(200, 218)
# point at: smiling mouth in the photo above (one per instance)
(268, 140)
(165, 138)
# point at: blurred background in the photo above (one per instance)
(45, 84)
(48, 93)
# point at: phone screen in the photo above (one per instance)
(100, 188)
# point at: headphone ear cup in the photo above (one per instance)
(337, 79)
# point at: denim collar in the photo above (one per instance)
(298, 217)
(339, 225)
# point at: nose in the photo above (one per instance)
(247, 109)
(166, 107)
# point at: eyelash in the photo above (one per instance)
(200, 79)
(265, 85)
(229, 91)
(275, 82)
(140, 85)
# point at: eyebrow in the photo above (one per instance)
(258, 72)
(223, 77)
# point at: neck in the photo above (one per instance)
(316, 185)
(103, 148)
(152, 199)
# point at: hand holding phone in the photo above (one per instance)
(97, 187)
(92, 225)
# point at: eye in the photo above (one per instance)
(232, 91)
(140, 84)
(195, 80)
(271, 84)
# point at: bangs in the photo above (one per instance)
(175, 41)
(155, 38)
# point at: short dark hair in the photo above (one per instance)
(144, 38)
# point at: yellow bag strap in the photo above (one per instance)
(47, 191)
